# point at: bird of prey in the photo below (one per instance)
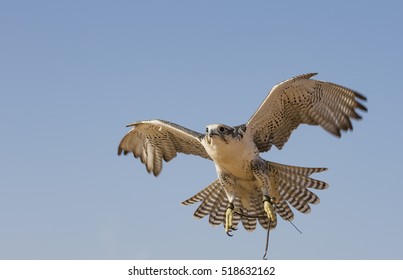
(250, 188)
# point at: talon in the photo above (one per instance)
(269, 208)
(229, 214)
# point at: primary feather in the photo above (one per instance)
(244, 178)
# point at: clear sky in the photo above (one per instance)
(74, 73)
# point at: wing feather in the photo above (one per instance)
(156, 140)
(301, 100)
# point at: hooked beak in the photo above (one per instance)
(209, 135)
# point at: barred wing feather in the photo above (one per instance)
(156, 140)
(301, 100)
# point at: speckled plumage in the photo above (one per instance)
(244, 178)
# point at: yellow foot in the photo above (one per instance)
(229, 214)
(269, 209)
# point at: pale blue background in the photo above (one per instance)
(74, 73)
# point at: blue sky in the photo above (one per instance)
(74, 73)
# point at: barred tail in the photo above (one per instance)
(214, 202)
(291, 182)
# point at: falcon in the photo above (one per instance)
(248, 188)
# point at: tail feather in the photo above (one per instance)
(292, 183)
(249, 223)
(306, 171)
(284, 210)
(206, 207)
(300, 205)
(249, 219)
(294, 189)
(203, 194)
(303, 182)
(217, 215)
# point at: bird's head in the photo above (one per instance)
(220, 132)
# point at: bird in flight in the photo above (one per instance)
(250, 188)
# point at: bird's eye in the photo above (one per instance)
(206, 129)
(221, 129)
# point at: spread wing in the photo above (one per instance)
(301, 100)
(156, 140)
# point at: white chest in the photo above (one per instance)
(232, 156)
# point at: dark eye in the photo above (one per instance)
(206, 129)
(221, 129)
